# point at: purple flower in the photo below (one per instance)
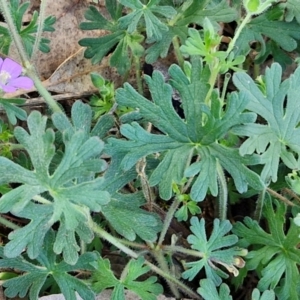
(10, 79)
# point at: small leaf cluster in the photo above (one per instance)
(27, 33)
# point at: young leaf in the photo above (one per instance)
(13, 112)
(279, 138)
(209, 291)
(276, 252)
(182, 139)
(212, 251)
(104, 278)
(72, 191)
(154, 27)
(126, 44)
(35, 273)
(283, 33)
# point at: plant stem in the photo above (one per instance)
(259, 205)
(40, 28)
(238, 32)
(42, 90)
(167, 221)
(179, 249)
(223, 192)
(5, 8)
(111, 239)
(177, 51)
(138, 75)
(41, 200)
(8, 224)
(161, 260)
(280, 197)
(180, 285)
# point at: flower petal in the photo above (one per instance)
(7, 88)
(1, 62)
(21, 82)
(11, 67)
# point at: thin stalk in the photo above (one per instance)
(5, 8)
(40, 27)
(138, 75)
(177, 51)
(43, 91)
(167, 221)
(30, 71)
(179, 249)
(180, 285)
(259, 205)
(111, 239)
(224, 89)
(13, 147)
(238, 32)
(212, 80)
(8, 224)
(223, 192)
(280, 197)
(41, 200)
(160, 259)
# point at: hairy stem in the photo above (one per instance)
(8, 224)
(138, 75)
(280, 197)
(5, 9)
(259, 205)
(161, 260)
(40, 28)
(180, 285)
(111, 239)
(238, 32)
(30, 71)
(167, 221)
(177, 51)
(223, 192)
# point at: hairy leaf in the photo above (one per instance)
(209, 291)
(28, 32)
(276, 252)
(104, 278)
(35, 273)
(279, 106)
(284, 34)
(67, 196)
(212, 251)
(182, 139)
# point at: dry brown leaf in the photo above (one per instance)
(73, 75)
(64, 40)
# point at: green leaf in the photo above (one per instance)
(28, 32)
(35, 273)
(212, 251)
(283, 33)
(266, 295)
(72, 191)
(276, 252)
(104, 278)
(128, 219)
(209, 291)
(126, 44)
(182, 139)
(279, 106)
(13, 112)
(154, 26)
(292, 10)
